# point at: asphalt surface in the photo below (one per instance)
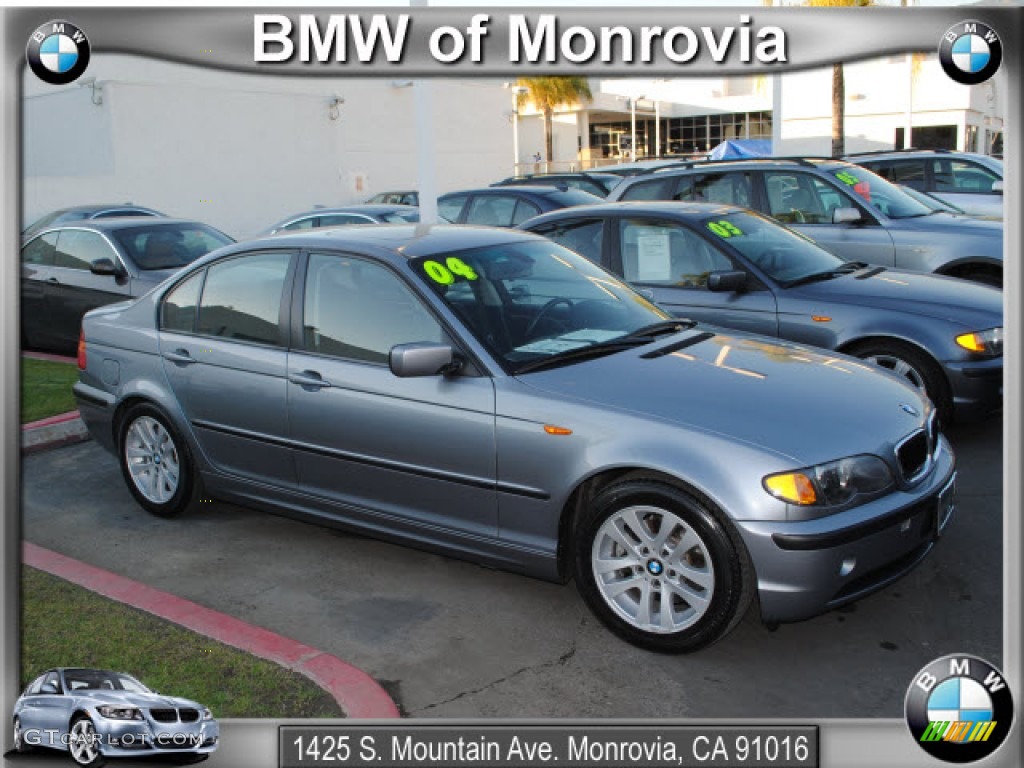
(450, 639)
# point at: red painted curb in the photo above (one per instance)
(357, 693)
(60, 418)
(48, 356)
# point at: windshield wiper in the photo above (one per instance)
(656, 329)
(580, 353)
(828, 274)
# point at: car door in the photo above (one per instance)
(807, 202)
(418, 449)
(967, 185)
(73, 289)
(223, 344)
(37, 259)
(52, 706)
(670, 263)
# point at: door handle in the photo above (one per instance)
(309, 379)
(180, 356)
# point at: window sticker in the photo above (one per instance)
(847, 178)
(565, 342)
(654, 256)
(449, 272)
(724, 228)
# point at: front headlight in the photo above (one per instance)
(119, 713)
(207, 714)
(987, 343)
(835, 484)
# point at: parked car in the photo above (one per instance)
(376, 213)
(596, 183)
(402, 197)
(69, 269)
(639, 167)
(87, 213)
(506, 401)
(94, 714)
(739, 269)
(848, 210)
(971, 181)
(931, 202)
(507, 206)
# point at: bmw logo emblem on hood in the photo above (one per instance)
(908, 408)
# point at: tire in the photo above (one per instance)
(83, 744)
(708, 586)
(914, 365)
(155, 461)
(18, 738)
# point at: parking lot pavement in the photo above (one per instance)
(449, 638)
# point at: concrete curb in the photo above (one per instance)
(63, 429)
(49, 356)
(357, 693)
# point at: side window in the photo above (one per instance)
(525, 210)
(41, 251)
(78, 249)
(668, 254)
(908, 172)
(35, 685)
(306, 223)
(961, 176)
(796, 198)
(359, 310)
(119, 214)
(51, 683)
(180, 306)
(491, 211)
(242, 298)
(342, 220)
(654, 189)
(729, 188)
(582, 236)
(451, 207)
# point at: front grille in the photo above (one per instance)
(189, 715)
(912, 455)
(164, 715)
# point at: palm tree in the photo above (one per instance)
(838, 81)
(547, 94)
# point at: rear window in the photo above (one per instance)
(655, 189)
(572, 197)
(168, 246)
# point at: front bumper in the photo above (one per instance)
(976, 386)
(806, 568)
(123, 738)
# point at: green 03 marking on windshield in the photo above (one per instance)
(724, 228)
(847, 178)
(445, 275)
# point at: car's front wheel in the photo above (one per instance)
(155, 461)
(657, 567)
(83, 743)
(20, 745)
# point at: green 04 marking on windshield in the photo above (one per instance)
(847, 178)
(724, 228)
(445, 275)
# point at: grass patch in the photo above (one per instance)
(64, 625)
(46, 388)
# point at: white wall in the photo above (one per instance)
(242, 151)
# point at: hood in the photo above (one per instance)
(971, 305)
(953, 223)
(140, 700)
(808, 406)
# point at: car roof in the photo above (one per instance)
(118, 223)
(367, 208)
(408, 240)
(539, 190)
(695, 210)
(97, 207)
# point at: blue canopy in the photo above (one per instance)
(731, 150)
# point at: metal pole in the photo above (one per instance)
(657, 128)
(426, 147)
(632, 129)
(515, 132)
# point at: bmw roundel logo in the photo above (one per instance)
(970, 52)
(959, 709)
(58, 52)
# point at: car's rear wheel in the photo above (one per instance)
(83, 743)
(916, 367)
(18, 739)
(155, 461)
(657, 567)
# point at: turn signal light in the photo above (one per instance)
(792, 487)
(551, 429)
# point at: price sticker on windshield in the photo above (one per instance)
(724, 228)
(447, 273)
(847, 178)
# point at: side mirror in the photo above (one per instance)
(422, 358)
(997, 187)
(104, 267)
(726, 282)
(845, 216)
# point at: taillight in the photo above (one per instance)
(81, 350)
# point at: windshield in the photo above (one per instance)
(570, 197)
(532, 300)
(782, 254)
(98, 679)
(168, 246)
(879, 193)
